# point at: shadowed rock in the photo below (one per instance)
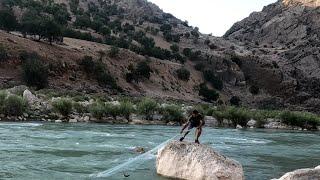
(302, 174)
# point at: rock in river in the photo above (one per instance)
(302, 174)
(184, 160)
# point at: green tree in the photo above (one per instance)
(183, 74)
(214, 80)
(187, 52)
(35, 73)
(235, 101)
(114, 51)
(104, 30)
(30, 23)
(8, 20)
(208, 94)
(143, 69)
(174, 48)
(50, 30)
(83, 21)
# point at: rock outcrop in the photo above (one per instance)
(184, 160)
(303, 174)
(284, 41)
(311, 3)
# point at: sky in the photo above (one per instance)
(212, 16)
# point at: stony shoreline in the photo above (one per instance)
(41, 108)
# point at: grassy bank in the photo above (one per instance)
(241, 116)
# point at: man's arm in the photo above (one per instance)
(184, 127)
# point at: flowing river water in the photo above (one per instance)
(76, 151)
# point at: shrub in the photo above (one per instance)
(143, 69)
(165, 28)
(239, 116)
(88, 64)
(63, 106)
(183, 74)
(172, 113)
(199, 66)
(98, 70)
(235, 101)
(195, 33)
(147, 107)
(3, 54)
(14, 105)
(208, 94)
(215, 81)
(79, 108)
(254, 90)
(174, 48)
(97, 110)
(112, 110)
(35, 73)
(196, 56)
(114, 51)
(125, 109)
(304, 120)
(187, 52)
(187, 35)
(3, 96)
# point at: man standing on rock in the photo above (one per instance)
(195, 121)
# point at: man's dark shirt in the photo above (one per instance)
(195, 121)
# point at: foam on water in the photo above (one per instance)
(145, 156)
(21, 124)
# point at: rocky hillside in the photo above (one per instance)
(131, 47)
(144, 50)
(284, 42)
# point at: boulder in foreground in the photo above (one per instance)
(303, 174)
(185, 160)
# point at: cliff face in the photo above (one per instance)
(285, 34)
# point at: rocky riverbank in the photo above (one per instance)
(20, 104)
(301, 174)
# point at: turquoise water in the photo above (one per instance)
(75, 151)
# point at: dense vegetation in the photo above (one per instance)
(99, 72)
(183, 74)
(35, 73)
(139, 73)
(11, 105)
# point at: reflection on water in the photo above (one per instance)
(74, 151)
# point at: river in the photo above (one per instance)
(76, 151)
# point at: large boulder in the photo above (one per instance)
(17, 90)
(29, 97)
(184, 160)
(303, 174)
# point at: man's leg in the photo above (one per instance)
(198, 134)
